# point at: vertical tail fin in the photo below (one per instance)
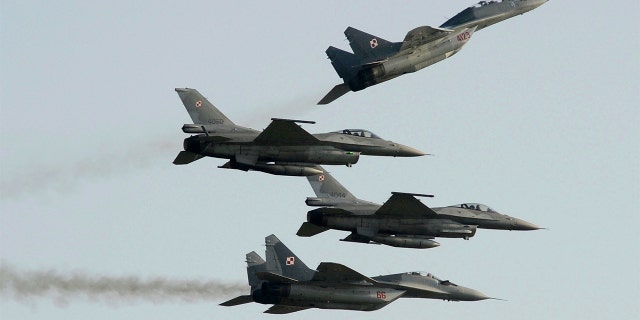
(282, 261)
(255, 264)
(326, 186)
(200, 109)
(345, 63)
(368, 47)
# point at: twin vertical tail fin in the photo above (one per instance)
(370, 48)
(282, 261)
(200, 109)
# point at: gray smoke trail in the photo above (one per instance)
(25, 286)
(66, 176)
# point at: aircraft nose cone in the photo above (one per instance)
(404, 151)
(468, 294)
(525, 225)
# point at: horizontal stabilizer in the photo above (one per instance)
(237, 301)
(186, 157)
(335, 93)
(274, 277)
(309, 229)
(280, 309)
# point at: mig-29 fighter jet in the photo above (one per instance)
(402, 221)
(286, 282)
(376, 60)
(487, 13)
(283, 148)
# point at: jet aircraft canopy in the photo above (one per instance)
(484, 3)
(423, 274)
(359, 133)
(475, 206)
(431, 276)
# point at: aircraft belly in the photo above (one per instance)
(373, 225)
(351, 297)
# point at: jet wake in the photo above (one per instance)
(63, 287)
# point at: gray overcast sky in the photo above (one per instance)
(536, 117)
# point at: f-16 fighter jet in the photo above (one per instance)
(286, 282)
(402, 221)
(283, 148)
(375, 60)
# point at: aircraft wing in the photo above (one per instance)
(337, 273)
(280, 309)
(423, 35)
(285, 132)
(405, 205)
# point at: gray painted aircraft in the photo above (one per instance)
(375, 60)
(402, 221)
(286, 282)
(486, 13)
(283, 148)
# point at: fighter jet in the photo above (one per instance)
(286, 282)
(402, 221)
(283, 148)
(486, 13)
(375, 60)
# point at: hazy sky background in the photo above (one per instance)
(536, 117)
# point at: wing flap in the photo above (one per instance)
(285, 132)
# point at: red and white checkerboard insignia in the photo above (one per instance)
(290, 261)
(321, 178)
(373, 43)
(198, 104)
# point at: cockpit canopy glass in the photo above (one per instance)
(424, 274)
(484, 3)
(475, 206)
(359, 133)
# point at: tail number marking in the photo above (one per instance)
(381, 295)
(464, 36)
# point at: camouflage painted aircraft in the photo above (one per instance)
(403, 221)
(286, 282)
(283, 148)
(375, 60)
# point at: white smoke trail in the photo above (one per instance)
(62, 288)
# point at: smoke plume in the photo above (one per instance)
(63, 288)
(64, 177)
